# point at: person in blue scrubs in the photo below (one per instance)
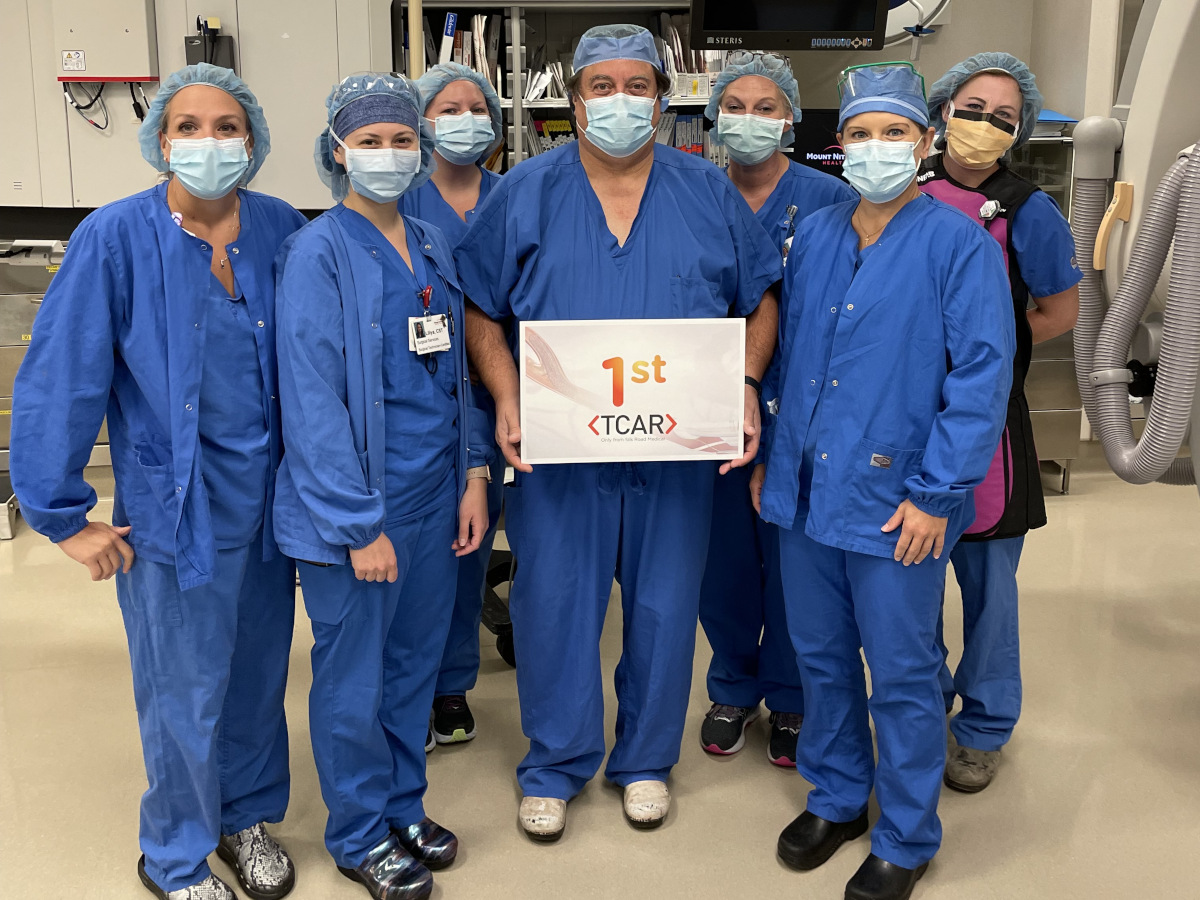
(755, 102)
(896, 362)
(613, 226)
(162, 319)
(464, 112)
(375, 499)
(982, 108)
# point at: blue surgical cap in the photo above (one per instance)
(766, 65)
(605, 43)
(214, 76)
(949, 84)
(394, 88)
(894, 87)
(438, 77)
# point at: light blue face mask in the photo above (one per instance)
(880, 170)
(462, 139)
(209, 168)
(380, 175)
(750, 139)
(620, 125)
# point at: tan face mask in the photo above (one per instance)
(976, 140)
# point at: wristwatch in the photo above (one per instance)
(754, 383)
(479, 472)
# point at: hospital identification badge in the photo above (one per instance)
(637, 390)
(428, 334)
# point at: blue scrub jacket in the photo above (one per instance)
(122, 332)
(908, 348)
(330, 494)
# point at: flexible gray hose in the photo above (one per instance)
(1102, 342)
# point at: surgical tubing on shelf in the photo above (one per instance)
(1103, 342)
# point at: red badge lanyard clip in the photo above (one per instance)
(426, 295)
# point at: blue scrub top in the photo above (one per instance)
(896, 365)
(808, 190)
(540, 247)
(420, 409)
(333, 491)
(1045, 247)
(235, 457)
(426, 203)
(123, 333)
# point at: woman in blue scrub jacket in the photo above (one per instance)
(896, 363)
(982, 108)
(162, 319)
(375, 497)
(754, 104)
(464, 113)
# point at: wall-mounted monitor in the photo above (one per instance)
(788, 24)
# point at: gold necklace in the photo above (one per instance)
(236, 228)
(869, 236)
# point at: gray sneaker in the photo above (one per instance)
(970, 770)
(263, 868)
(211, 888)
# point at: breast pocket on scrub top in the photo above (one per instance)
(697, 298)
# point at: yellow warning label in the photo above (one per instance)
(51, 269)
(27, 338)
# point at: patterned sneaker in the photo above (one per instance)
(263, 868)
(785, 732)
(724, 728)
(211, 888)
(452, 719)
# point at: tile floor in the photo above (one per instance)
(1098, 797)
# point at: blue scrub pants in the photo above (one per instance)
(741, 605)
(209, 671)
(572, 527)
(988, 677)
(375, 658)
(460, 660)
(837, 602)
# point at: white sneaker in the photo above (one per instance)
(543, 818)
(647, 803)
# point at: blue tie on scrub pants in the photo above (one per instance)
(135, 326)
(896, 364)
(376, 444)
(741, 597)
(540, 249)
(460, 662)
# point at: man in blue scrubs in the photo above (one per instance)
(162, 318)
(614, 226)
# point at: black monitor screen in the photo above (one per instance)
(790, 15)
(816, 141)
